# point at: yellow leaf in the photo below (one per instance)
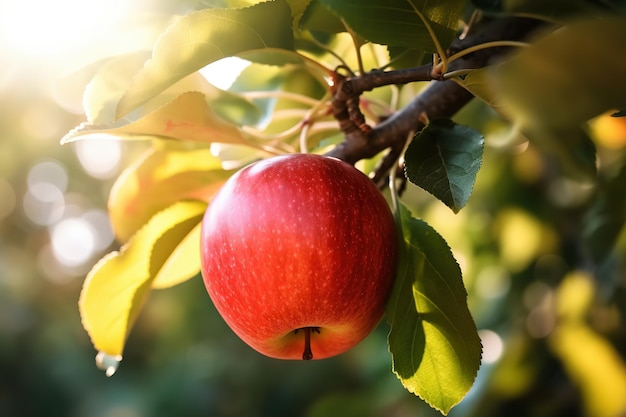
(575, 296)
(187, 117)
(118, 285)
(183, 263)
(161, 177)
(589, 359)
(595, 366)
(522, 238)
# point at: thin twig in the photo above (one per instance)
(441, 99)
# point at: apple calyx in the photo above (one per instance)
(307, 355)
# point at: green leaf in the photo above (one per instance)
(478, 83)
(405, 57)
(117, 286)
(565, 140)
(273, 56)
(606, 216)
(259, 77)
(189, 117)
(571, 147)
(434, 343)
(444, 159)
(553, 9)
(396, 23)
(298, 8)
(206, 36)
(108, 85)
(296, 80)
(230, 4)
(163, 176)
(317, 17)
(566, 77)
(620, 113)
(230, 107)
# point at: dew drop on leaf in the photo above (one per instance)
(108, 363)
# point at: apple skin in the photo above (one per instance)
(299, 247)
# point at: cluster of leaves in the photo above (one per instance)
(280, 103)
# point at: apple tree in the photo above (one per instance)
(420, 96)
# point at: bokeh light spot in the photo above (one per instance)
(73, 241)
(44, 204)
(493, 282)
(49, 172)
(99, 220)
(540, 322)
(100, 158)
(493, 346)
(538, 298)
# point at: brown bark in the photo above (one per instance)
(441, 99)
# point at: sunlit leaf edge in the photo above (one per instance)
(149, 82)
(169, 121)
(110, 338)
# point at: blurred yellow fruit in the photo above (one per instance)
(608, 131)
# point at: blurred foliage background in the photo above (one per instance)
(554, 336)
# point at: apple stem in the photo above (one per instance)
(307, 355)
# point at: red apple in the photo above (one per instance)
(298, 255)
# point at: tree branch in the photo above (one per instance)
(440, 99)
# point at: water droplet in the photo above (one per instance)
(108, 363)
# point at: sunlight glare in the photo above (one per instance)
(224, 72)
(45, 28)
